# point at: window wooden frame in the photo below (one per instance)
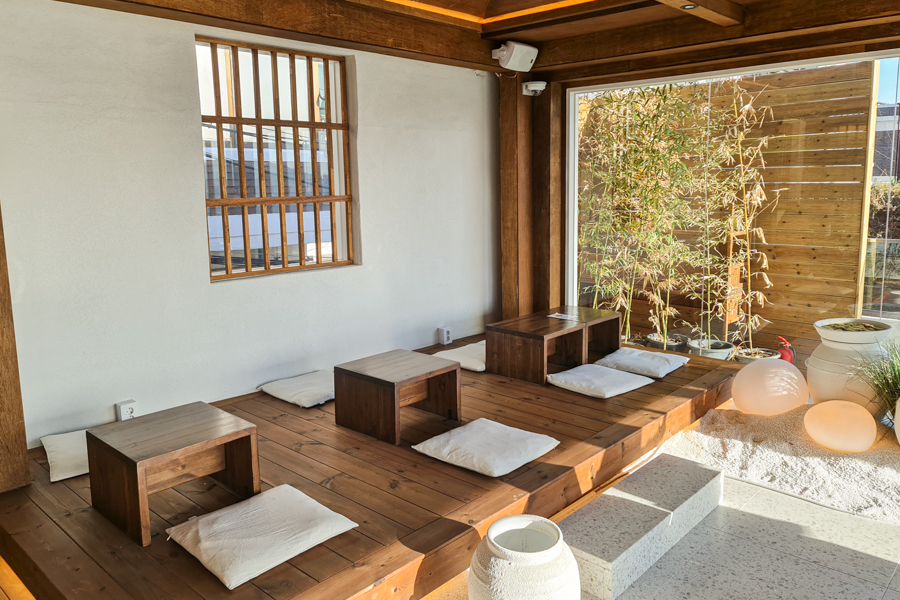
(270, 257)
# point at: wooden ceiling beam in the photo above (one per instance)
(340, 23)
(509, 27)
(765, 21)
(720, 12)
(738, 55)
(421, 10)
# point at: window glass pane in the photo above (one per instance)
(266, 85)
(232, 163)
(322, 154)
(309, 233)
(302, 75)
(337, 149)
(341, 230)
(251, 159)
(216, 240)
(319, 89)
(270, 156)
(325, 229)
(285, 108)
(248, 99)
(236, 237)
(306, 173)
(335, 91)
(226, 80)
(211, 160)
(292, 229)
(205, 78)
(254, 226)
(273, 216)
(287, 161)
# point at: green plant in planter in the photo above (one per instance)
(635, 182)
(741, 190)
(882, 374)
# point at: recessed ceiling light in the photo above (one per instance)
(688, 6)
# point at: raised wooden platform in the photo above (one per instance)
(420, 520)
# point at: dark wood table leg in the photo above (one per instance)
(241, 474)
(571, 349)
(119, 490)
(605, 337)
(444, 395)
(366, 407)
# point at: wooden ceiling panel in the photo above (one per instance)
(475, 8)
(631, 15)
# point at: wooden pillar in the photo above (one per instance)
(867, 190)
(548, 196)
(515, 198)
(13, 461)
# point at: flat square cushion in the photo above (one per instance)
(67, 454)
(470, 358)
(643, 362)
(305, 390)
(597, 381)
(246, 539)
(487, 447)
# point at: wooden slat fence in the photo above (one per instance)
(818, 158)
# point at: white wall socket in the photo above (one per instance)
(444, 335)
(127, 409)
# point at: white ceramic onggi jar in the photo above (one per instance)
(523, 557)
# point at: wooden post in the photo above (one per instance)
(13, 460)
(516, 273)
(548, 195)
(867, 189)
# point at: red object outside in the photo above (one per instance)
(787, 351)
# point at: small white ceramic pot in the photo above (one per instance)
(524, 557)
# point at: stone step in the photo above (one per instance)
(622, 533)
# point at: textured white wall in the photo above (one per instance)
(101, 188)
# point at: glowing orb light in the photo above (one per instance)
(769, 387)
(841, 426)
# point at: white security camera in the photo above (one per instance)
(515, 56)
(533, 88)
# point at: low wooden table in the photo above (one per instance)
(369, 393)
(522, 347)
(130, 460)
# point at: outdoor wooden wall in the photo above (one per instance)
(819, 162)
(819, 156)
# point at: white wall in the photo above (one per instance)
(101, 187)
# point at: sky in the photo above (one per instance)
(887, 83)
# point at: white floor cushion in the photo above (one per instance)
(305, 390)
(470, 358)
(246, 539)
(67, 454)
(487, 447)
(643, 362)
(597, 381)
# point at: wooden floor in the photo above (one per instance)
(419, 519)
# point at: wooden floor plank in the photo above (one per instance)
(11, 585)
(132, 568)
(368, 472)
(312, 423)
(419, 519)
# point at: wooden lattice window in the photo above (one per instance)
(276, 156)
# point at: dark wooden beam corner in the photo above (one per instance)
(720, 12)
(339, 23)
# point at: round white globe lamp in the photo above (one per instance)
(769, 387)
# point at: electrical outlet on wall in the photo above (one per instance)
(127, 409)
(444, 335)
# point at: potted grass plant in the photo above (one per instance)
(882, 374)
(744, 197)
